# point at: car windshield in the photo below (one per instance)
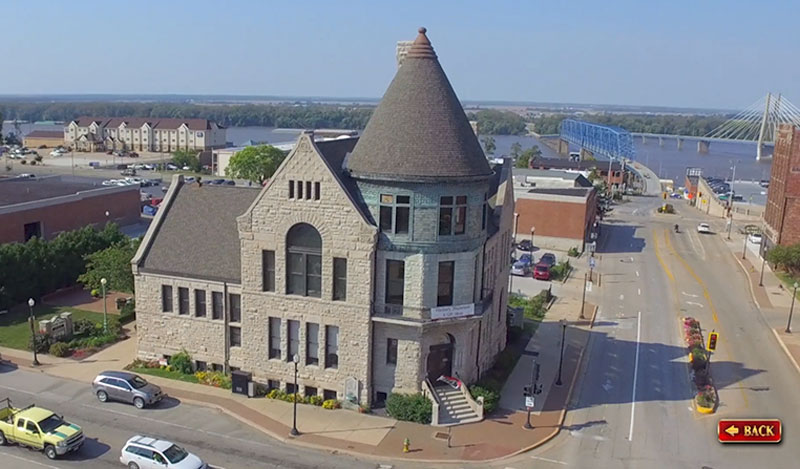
(51, 423)
(137, 382)
(175, 454)
(541, 268)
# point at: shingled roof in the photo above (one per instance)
(199, 237)
(419, 131)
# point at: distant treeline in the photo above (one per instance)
(646, 123)
(494, 122)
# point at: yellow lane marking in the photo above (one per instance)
(660, 259)
(689, 269)
(707, 296)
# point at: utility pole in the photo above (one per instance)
(583, 299)
(529, 392)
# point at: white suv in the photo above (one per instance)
(144, 452)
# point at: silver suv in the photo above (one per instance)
(126, 387)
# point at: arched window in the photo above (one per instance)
(304, 261)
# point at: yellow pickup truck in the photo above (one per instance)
(38, 428)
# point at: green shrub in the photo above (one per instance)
(43, 343)
(59, 349)
(316, 400)
(490, 398)
(560, 270)
(331, 404)
(573, 252)
(182, 362)
(409, 407)
(278, 394)
(127, 312)
(83, 326)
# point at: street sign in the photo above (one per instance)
(588, 286)
(591, 247)
(591, 262)
(529, 402)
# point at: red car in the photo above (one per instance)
(541, 271)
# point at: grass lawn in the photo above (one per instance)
(788, 281)
(15, 331)
(165, 374)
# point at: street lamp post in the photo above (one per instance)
(33, 331)
(744, 247)
(763, 261)
(791, 309)
(730, 225)
(583, 298)
(563, 323)
(103, 282)
(533, 228)
(294, 432)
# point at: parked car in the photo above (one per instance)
(56, 153)
(525, 245)
(230, 183)
(520, 268)
(189, 179)
(142, 452)
(704, 228)
(109, 182)
(548, 258)
(133, 154)
(526, 259)
(27, 175)
(216, 181)
(126, 387)
(171, 167)
(541, 271)
(40, 429)
(128, 172)
(754, 238)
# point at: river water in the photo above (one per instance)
(666, 161)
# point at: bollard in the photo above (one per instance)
(406, 444)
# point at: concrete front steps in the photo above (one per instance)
(454, 408)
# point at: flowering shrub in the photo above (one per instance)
(331, 404)
(316, 400)
(213, 378)
(706, 397)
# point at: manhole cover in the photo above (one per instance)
(440, 435)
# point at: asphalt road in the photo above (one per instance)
(220, 440)
(633, 406)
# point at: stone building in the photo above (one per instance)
(380, 260)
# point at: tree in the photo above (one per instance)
(786, 257)
(489, 145)
(256, 163)
(182, 158)
(524, 160)
(516, 149)
(113, 264)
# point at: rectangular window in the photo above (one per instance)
(236, 307)
(460, 223)
(310, 391)
(339, 279)
(268, 262)
(387, 208)
(313, 275)
(217, 367)
(299, 189)
(294, 339)
(296, 277)
(401, 214)
(331, 347)
(308, 190)
(275, 338)
(445, 289)
(328, 394)
(291, 189)
(317, 194)
(273, 384)
(200, 365)
(166, 298)
(200, 303)
(290, 388)
(216, 305)
(312, 343)
(183, 300)
(395, 281)
(236, 336)
(391, 351)
(445, 216)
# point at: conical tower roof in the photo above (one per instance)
(419, 131)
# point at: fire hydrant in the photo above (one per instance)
(406, 443)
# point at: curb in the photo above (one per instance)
(749, 281)
(786, 350)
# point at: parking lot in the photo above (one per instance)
(529, 286)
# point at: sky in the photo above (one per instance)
(703, 54)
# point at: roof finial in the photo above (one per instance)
(421, 48)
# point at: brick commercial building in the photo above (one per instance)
(782, 214)
(559, 218)
(380, 261)
(44, 207)
(143, 134)
(44, 138)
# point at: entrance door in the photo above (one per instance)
(440, 361)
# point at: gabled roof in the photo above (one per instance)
(198, 236)
(45, 134)
(419, 131)
(155, 122)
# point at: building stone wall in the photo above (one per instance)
(405, 376)
(160, 333)
(345, 233)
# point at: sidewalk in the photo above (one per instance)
(497, 437)
(772, 299)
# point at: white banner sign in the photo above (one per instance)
(448, 312)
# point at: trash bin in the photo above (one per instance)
(240, 382)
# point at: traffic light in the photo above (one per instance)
(712, 341)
